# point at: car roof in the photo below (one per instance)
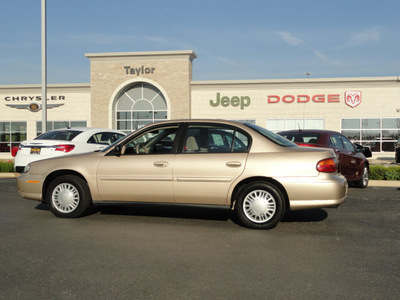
(321, 131)
(215, 121)
(88, 129)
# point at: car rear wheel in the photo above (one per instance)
(260, 205)
(68, 196)
(363, 182)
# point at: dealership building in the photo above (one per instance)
(130, 90)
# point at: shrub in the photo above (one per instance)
(393, 173)
(6, 166)
(384, 173)
(377, 172)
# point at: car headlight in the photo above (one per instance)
(27, 168)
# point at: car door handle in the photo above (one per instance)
(234, 164)
(160, 164)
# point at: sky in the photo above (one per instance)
(233, 40)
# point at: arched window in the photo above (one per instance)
(140, 105)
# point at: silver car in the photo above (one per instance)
(242, 167)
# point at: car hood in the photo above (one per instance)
(68, 162)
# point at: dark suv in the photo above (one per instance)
(351, 157)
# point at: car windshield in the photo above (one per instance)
(61, 135)
(302, 137)
(276, 138)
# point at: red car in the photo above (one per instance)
(351, 157)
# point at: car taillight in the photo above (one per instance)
(65, 148)
(327, 165)
(14, 150)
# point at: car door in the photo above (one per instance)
(211, 158)
(345, 152)
(354, 158)
(143, 170)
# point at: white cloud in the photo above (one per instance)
(325, 59)
(369, 35)
(289, 38)
(228, 61)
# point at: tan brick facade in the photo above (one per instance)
(171, 72)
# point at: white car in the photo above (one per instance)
(64, 141)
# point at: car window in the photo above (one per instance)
(347, 144)
(104, 138)
(214, 139)
(335, 142)
(62, 135)
(154, 141)
(302, 137)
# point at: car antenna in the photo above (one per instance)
(67, 125)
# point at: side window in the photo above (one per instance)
(214, 139)
(347, 144)
(241, 142)
(155, 141)
(335, 142)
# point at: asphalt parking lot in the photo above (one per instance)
(163, 252)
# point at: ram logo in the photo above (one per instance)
(352, 98)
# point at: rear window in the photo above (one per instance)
(61, 135)
(276, 138)
(302, 137)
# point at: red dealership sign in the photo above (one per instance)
(352, 98)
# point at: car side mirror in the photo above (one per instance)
(117, 150)
(364, 150)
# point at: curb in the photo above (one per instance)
(384, 183)
(371, 183)
(9, 175)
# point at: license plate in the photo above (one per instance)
(35, 150)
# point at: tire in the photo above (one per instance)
(68, 196)
(363, 182)
(260, 205)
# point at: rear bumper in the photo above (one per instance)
(316, 192)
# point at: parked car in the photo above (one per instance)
(243, 167)
(352, 160)
(61, 142)
(397, 151)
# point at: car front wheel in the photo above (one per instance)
(363, 182)
(260, 205)
(68, 196)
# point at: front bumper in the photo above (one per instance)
(30, 187)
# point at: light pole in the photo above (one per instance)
(44, 69)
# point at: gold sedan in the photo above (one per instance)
(242, 167)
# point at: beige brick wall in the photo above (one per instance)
(170, 71)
